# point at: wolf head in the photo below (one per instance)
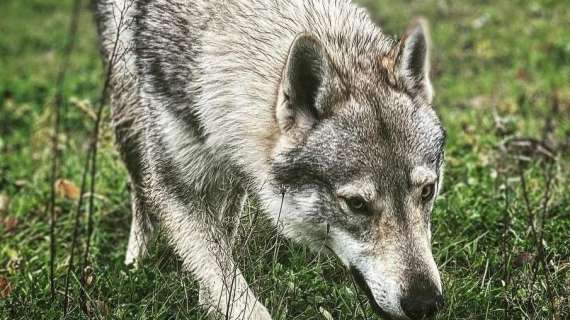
(358, 165)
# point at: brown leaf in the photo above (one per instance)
(522, 74)
(10, 223)
(88, 276)
(522, 259)
(66, 189)
(7, 94)
(5, 288)
(20, 183)
(98, 307)
(4, 204)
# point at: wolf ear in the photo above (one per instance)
(303, 86)
(413, 61)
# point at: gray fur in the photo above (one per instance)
(213, 100)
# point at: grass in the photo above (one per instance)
(501, 71)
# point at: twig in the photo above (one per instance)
(75, 231)
(59, 100)
(542, 260)
(530, 213)
(537, 230)
(507, 220)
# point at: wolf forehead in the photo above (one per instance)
(381, 133)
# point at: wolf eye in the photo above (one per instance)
(356, 204)
(428, 192)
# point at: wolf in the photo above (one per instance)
(305, 106)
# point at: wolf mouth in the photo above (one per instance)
(359, 279)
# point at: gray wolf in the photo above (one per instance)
(305, 105)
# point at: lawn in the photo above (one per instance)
(501, 227)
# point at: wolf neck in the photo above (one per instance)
(243, 51)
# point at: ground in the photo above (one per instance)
(501, 227)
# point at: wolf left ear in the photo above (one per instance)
(303, 86)
(413, 61)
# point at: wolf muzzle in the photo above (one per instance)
(359, 279)
(421, 301)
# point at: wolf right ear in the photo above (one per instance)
(413, 61)
(303, 86)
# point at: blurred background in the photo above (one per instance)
(501, 71)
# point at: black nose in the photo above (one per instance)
(422, 300)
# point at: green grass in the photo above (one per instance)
(492, 60)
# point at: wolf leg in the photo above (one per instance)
(230, 217)
(232, 214)
(205, 252)
(141, 232)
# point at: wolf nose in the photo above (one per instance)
(423, 300)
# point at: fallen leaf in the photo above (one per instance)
(7, 94)
(5, 288)
(521, 74)
(88, 276)
(98, 307)
(522, 259)
(326, 314)
(66, 189)
(4, 204)
(10, 223)
(20, 183)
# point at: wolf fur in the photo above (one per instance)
(305, 105)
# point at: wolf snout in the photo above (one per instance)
(422, 300)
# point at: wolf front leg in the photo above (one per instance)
(141, 231)
(204, 250)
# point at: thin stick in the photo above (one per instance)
(506, 243)
(549, 177)
(76, 231)
(59, 101)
